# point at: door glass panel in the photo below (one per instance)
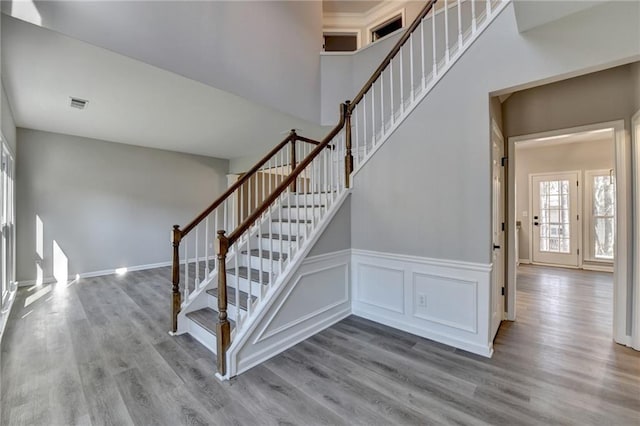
(604, 207)
(554, 217)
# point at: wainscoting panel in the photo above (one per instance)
(443, 300)
(317, 296)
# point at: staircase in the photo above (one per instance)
(266, 223)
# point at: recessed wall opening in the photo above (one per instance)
(387, 27)
(340, 41)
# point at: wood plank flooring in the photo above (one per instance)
(97, 352)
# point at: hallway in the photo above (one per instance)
(97, 352)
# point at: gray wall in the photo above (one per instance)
(593, 155)
(107, 205)
(337, 235)
(635, 71)
(593, 98)
(427, 191)
(6, 120)
(266, 52)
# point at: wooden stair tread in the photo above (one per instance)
(255, 274)
(279, 237)
(207, 318)
(266, 254)
(231, 296)
(308, 206)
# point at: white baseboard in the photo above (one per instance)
(51, 280)
(524, 261)
(444, 300)
(597, 267)
(484, 350)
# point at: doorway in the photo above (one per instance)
(554, 218)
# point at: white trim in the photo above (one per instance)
(597, 268)
(579, 226)
(588, 241)
(486, 351)
(465, 325)
(634, 341)
(344, 31)
(263, 308)
(382, 19)
(265, 333)
(623, 223)
(365, 47)
(50, 280)
(525, 261)
(428, 261)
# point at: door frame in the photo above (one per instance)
(635, 321)
(497, 132)
(578, 211)
(622, 165)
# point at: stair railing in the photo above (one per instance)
(429, 46)
(425, 51)
(193, 255)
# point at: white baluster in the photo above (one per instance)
(381, 108)
(433, 42)
(474, 20)
(248, 262)
(424, 76)
(401, 81)
(459, 26)
(186, 268)
(391, 107)
(446, 29)
(373, 120)
(355, 145)
(206, 243)
(411, 66)
(197, 274)
(288, 197)
(237, 289)
(364, 127)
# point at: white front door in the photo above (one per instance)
(555, 218)
(497, 285)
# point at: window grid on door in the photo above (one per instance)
(554, 218)
(603, 216)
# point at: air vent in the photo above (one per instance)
(79, 103)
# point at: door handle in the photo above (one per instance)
(535, 223)
(496, 247)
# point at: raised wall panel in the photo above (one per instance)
(382, 287)
(449, 301)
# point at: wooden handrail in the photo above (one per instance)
(245, 177)
(387, 60)
(242, 228)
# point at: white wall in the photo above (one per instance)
(107, 205)
(592, 155)
(427, 191)
(266, 52)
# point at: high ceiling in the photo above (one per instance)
(348, 6)
(129, 101)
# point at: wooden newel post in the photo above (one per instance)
(175, 277)
(223, 328)
(292, 156)
(348, 157)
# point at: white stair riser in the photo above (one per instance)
(257, 262)
(283, 228)
(266, 244)
(317, 198)
(202, 335)
(300, 213)
(244, 285)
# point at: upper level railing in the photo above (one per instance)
(435, 39)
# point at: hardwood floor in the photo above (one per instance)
(98, 352)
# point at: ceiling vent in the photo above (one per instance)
(79, 103)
